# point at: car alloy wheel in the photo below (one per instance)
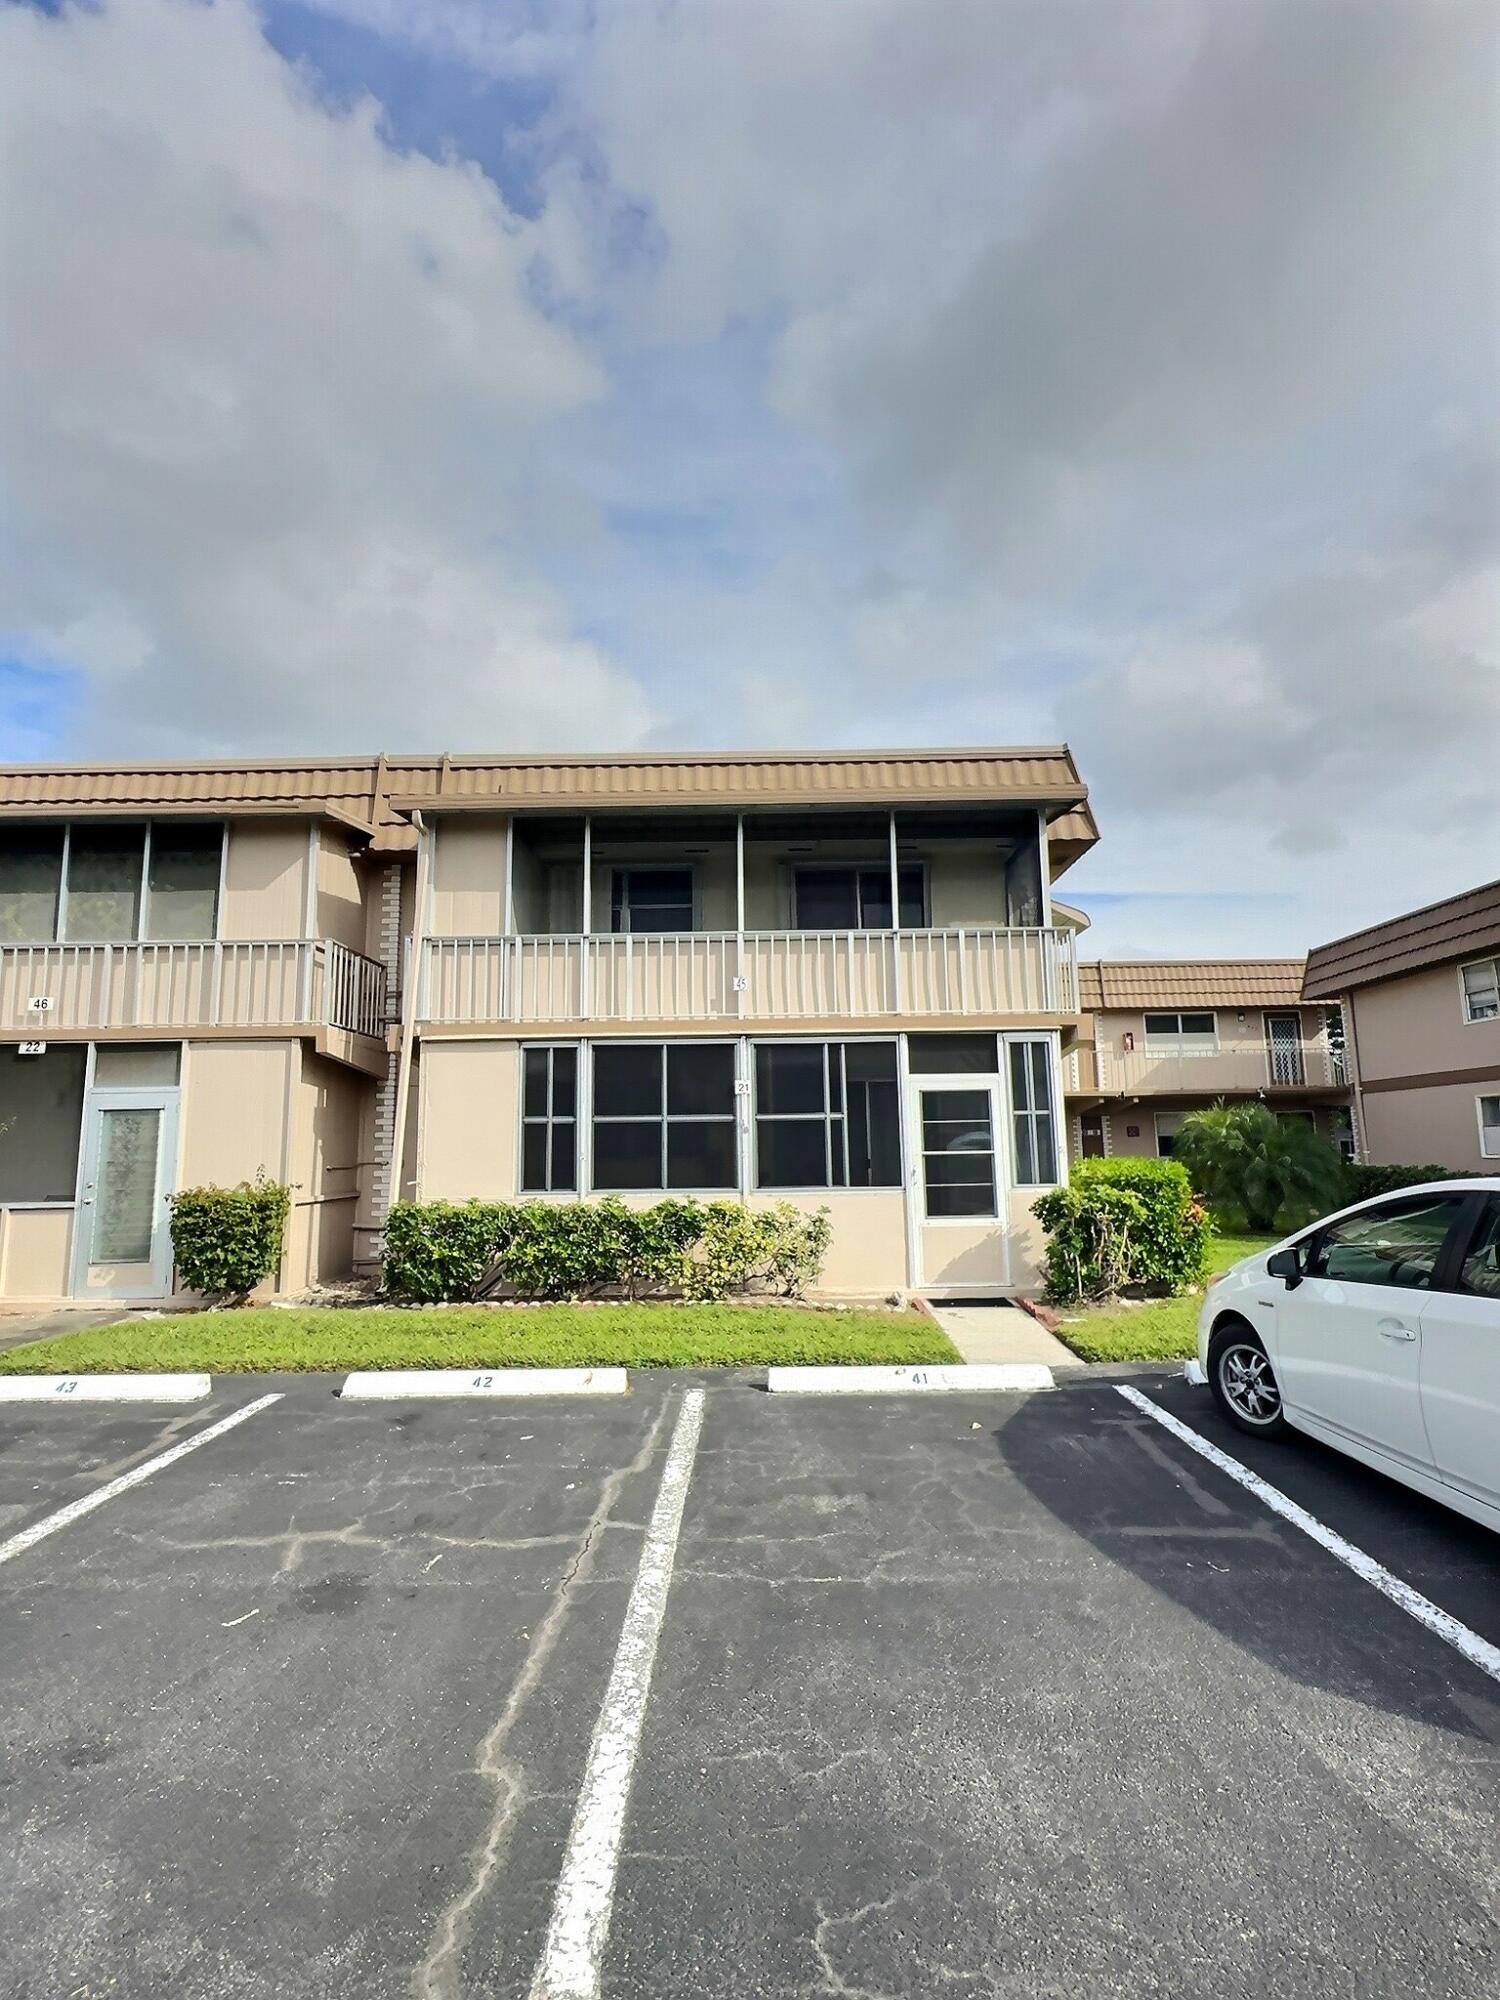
(1249, 1383)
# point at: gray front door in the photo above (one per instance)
(122, 1246)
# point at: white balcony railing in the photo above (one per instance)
(1234, 1066)
(758, 975)
(222, 983)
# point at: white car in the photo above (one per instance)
(1378, 1331)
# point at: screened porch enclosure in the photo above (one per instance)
(767, 916)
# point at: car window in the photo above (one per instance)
(1398, 1243)
(1480, 1271)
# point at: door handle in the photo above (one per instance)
(1395, 1329)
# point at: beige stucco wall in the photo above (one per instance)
(468, 876)
(1142, 1115)
(466, 1139)
(1415, 1025)
(324, 1169)
(236, 1099)
(1436, 1126)
(34, 1247)
(264, 879)
(867, 1254)
(341, 891)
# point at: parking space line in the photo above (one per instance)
(65, 1516)
(1479, 1652)
(579, 1928)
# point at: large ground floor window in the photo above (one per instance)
(664, 1116)
(41, 1121)
(826, 1115)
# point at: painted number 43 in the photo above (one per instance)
(66, 1388)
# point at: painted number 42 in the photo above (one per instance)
(483, 1382)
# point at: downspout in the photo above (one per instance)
(409, 992)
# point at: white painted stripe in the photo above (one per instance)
(397, 1384)
(103, 1388)
(1479, 1651)
(908, 1381)
(576, 1936)
(75, 1511)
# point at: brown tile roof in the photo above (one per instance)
(377, 794)
(1132, 984)
(1464, 926)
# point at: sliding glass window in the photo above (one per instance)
(826, 1115)
(31, 868)
(102, 882)
(663, 1116)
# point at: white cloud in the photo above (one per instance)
(273, 400)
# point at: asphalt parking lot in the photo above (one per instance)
(960, 1695)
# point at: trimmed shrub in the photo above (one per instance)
(441, 1249)
(1120, 1223)
(226, 1241)
(1363, 1183)
(580, 1249)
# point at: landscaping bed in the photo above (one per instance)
(275, 1340)
(1153, 1329)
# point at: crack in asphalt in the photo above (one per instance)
(436, 1978)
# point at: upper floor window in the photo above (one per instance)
(102, 882)
(1489, 1128)
(858, 898)
(1482, 990)
(651, 899)
(1182, 1034)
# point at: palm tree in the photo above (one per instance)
(1242, 1156)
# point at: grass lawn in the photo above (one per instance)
(1157, 1329)
(266, 1340)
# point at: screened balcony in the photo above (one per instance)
(828, 916)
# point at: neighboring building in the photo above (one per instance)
(824, 979)
(1163, 1038)
(1421, 995)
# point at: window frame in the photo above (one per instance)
(1156, 1132)
(665, 1118)
(549, 1119)
(1175, 1043)
(61, 931)
(826, 1116)
(859, 869)
(1482, 1098)
(1471, 1019)
(1055, 1112)
(626, 869)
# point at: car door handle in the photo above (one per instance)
(1395, 1329)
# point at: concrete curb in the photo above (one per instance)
(399, 1384)
(942, 1378)
(104, 1388)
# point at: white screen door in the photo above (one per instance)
(956, 1130)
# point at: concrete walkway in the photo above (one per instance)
(1002, 1333)
(19, 1328)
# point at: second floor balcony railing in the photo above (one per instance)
(161, 988)
(1248, 1065)
(753, 975)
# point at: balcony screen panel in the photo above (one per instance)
(789, 1077)
(874, 1133)
(42, 1097)
(104, 884)
(791, 1153)
(183, 902)
(30, 880)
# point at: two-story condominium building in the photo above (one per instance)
(1161, 1038)
(1421, 995)
(829, 979)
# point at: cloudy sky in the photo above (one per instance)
(465, 374)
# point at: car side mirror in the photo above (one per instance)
(1284, 1264)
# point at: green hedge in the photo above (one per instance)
(1121, 1223)
(225, 1241)
(1366, 1182)
(579, 1249)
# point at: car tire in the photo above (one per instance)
(1243, 1381)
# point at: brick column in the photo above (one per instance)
(382, 1193)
